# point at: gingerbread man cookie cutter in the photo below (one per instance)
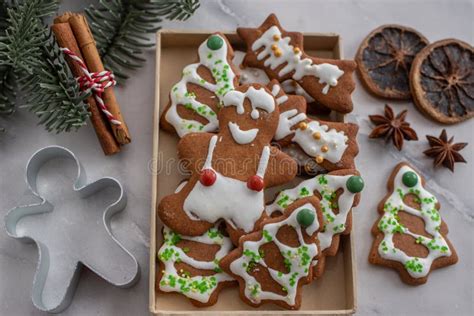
(68, 238)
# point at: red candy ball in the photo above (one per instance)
(208, 177)
(255, 183)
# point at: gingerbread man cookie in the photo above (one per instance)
(273, 263)
(332, 145)
(230, 169)
(410, 235)
(195, 99)
(280, 53)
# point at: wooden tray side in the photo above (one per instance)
(323, 45)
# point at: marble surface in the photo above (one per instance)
(449, 291)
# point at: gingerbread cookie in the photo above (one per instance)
(272, 264)
(339, 193)
(194, 100)
(280, 53)
(292, 87)
(190, 266)
(410, 235)
(230, 170)
(333, 145)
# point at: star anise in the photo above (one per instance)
(444, 151)
(391, 126)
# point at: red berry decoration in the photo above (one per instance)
(208, 177)
(255, 183)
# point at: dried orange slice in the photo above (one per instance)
(384, 60)
(442, 81)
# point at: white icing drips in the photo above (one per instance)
(216, 62)
(292, 59)
(263, 163)
(180, 186)
(291, 86)
(275, 90)
(287, 120)
(298, 260)
(259, 99)
(326, 185)
(389, 225)
(240, 136)
(169, 254)
(227, 198)
(334, 141)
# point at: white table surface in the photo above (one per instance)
(449, 291)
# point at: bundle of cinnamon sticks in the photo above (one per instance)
(72, 31)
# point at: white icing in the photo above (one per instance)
(210, 153)
(334, 140)
(263, 163)
(287, 120)
(275, 90)
(259, 99)
(282, 99)
(169, 254)
(293, 62)
(291, 86)
(227, 198)
(240, 136)
(180, 186)
(300, 259)
(389, 225)
(216, 62)
(326, 185)
(249, 74)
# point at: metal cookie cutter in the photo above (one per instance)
(69, 236)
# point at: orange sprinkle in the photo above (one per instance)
(302, 126)
(278, 53)
(324, 149)
(274, 47)
(276, 37)
(296, 50)
(319, 159)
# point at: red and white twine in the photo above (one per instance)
(96, 82)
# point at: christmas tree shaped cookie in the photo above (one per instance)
(190, 265)
(339, 193)
(410, 235)
(230, 169)
(196, 98)
(281, 54)
(273, 263)
(332, 145)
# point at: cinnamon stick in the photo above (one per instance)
(86, 42)
(65, 38)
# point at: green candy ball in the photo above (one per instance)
(215, 42)
(410, 179)
(305, 217)
(355, 184)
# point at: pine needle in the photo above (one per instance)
(119, 27)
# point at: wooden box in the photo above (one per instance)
(334, 293)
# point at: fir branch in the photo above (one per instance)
(7, 90)
(29, 52)
(119, 28)
(52, 92)
(7, 77)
